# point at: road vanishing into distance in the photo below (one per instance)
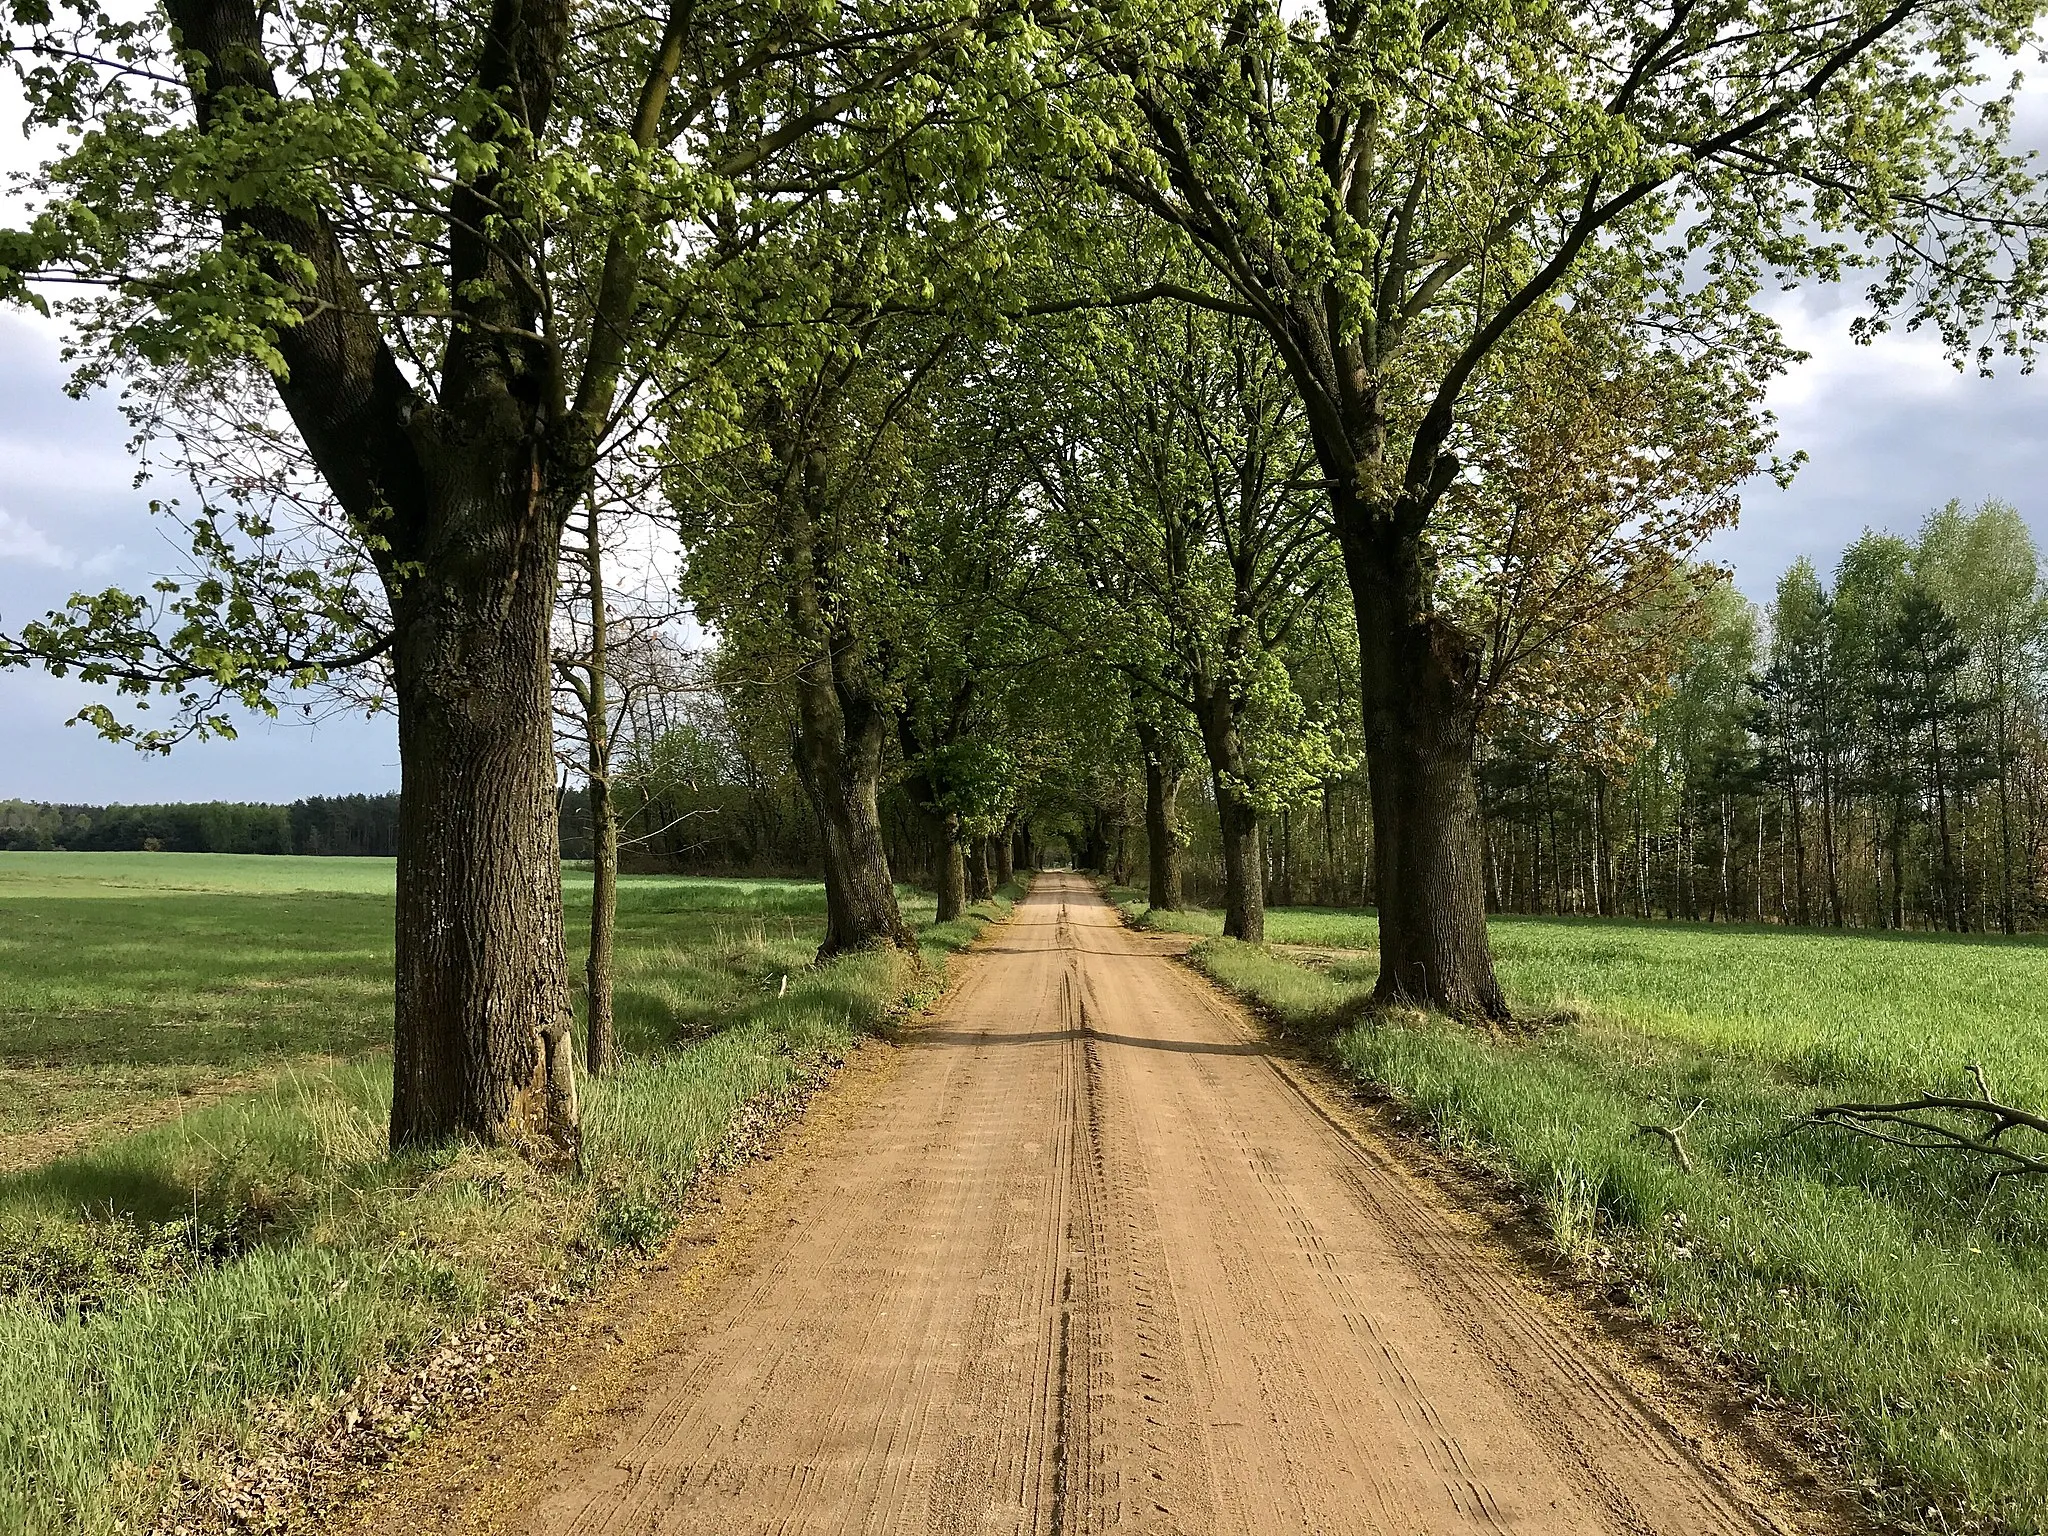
(1090, 1259)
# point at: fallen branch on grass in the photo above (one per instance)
(1940, 1123)
(1674, 1135)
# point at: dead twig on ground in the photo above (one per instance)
(1937, 1122)
(1674, 1136)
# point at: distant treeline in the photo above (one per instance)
(364, 825)
(1869, 751)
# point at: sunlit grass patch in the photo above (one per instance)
(126, 979)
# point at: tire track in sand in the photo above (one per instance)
(1093, 1261)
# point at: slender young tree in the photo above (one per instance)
(591, 681)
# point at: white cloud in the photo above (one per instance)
(1904, 365)
(23, 541)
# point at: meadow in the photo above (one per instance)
(1894, 1294)
(199, 1223)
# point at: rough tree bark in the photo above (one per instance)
(839, 760)
(980, 871)
(1165, 887)
(952, 869)
(1005, 846)
(1244, 889)
(1162, 824)
(1420, 695)
(465, 486)
(482, 1045)
(841, 731)
(1093, 854)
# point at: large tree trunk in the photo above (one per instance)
(840, 728)
(1244, 874)
(1420, 677)
(457, 485)
(1005, 853)
(839, 759)
(1162, 836)
(482, 1045)
(979, 871)
(1093, 854)
(952, 868)
(1244, 895)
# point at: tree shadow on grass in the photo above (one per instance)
(94, 1189)
(647, 1020)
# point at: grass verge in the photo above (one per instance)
(1892, 1294)
(165, 1291)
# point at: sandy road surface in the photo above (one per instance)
(1091, 1262)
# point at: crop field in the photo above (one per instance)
(1893, 1292)
(197, 1211)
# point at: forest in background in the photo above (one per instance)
(1869, 750)
(319, 824)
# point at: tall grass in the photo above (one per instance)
(159, 1288)
(1895, 1295)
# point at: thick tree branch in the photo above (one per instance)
(343, 387)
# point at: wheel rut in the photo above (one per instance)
(1093, 1260)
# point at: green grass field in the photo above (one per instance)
(127, 978)
(159, 1276)
(1890, 1291)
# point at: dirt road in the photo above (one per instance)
(1090, 1261)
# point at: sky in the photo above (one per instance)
(71, 519)
(1890, 431)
